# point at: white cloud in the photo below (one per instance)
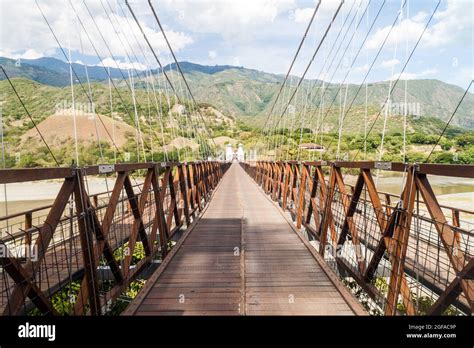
(110, 62)
(429, 72)
(228, 18)
(386, 64)
(407, 31)
(303, 15)
(25, 54)
(420, 16)
(363, 68)
(326, 10)
(454, 24)
(413, 76)
(212, 54)
(462, 76)
(25, 33)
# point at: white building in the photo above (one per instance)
(229, 153)
(240, 153)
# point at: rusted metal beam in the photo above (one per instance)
(327, 214)
(45, 236)
(350, 207)
(31, 290)
(86, 226)
(448, 237)
(8, 176)
(93, 234)
(301, 196)
(394, 222)
(400, 241)
(456, 170)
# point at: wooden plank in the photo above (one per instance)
(235, 262)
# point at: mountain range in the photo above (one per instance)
(248, 93)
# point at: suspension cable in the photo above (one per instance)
(179, 68)
(106, 44)
(387, 110)
(112, 116)
(73, 100)
(449, 121)
(147, 64)
(278, 119)
(100, 58)
(343, 106)
(404, 67)
(326, 60)
(324, 89)
(188, 118)
(312, 59)
(5, 192)
(293, 61)
(101, 152)
(157, 102)
(288, 89)
(405, 106)
(156, 56)
(29, 116)
(73, 70)
(366, 111)
(368, 71)
(353, 62)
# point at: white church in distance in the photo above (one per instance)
(231, 155)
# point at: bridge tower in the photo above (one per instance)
(229, 153)
(240, 153)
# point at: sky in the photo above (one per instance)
(257, 34)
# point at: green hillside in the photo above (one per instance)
(246, 92)
(35, 73)
(44, 101)
(235, 103)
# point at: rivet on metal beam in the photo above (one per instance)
(106, 168)
(383, 165)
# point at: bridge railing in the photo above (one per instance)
(81, 253)
(400, 254)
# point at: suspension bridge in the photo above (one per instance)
(285, 234)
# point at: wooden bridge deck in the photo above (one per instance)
(243, 258)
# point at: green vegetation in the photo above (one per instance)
(43, 101)
(126, 297)
(239, 91)
(456, 146)
(64, 300)
(421, 303)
